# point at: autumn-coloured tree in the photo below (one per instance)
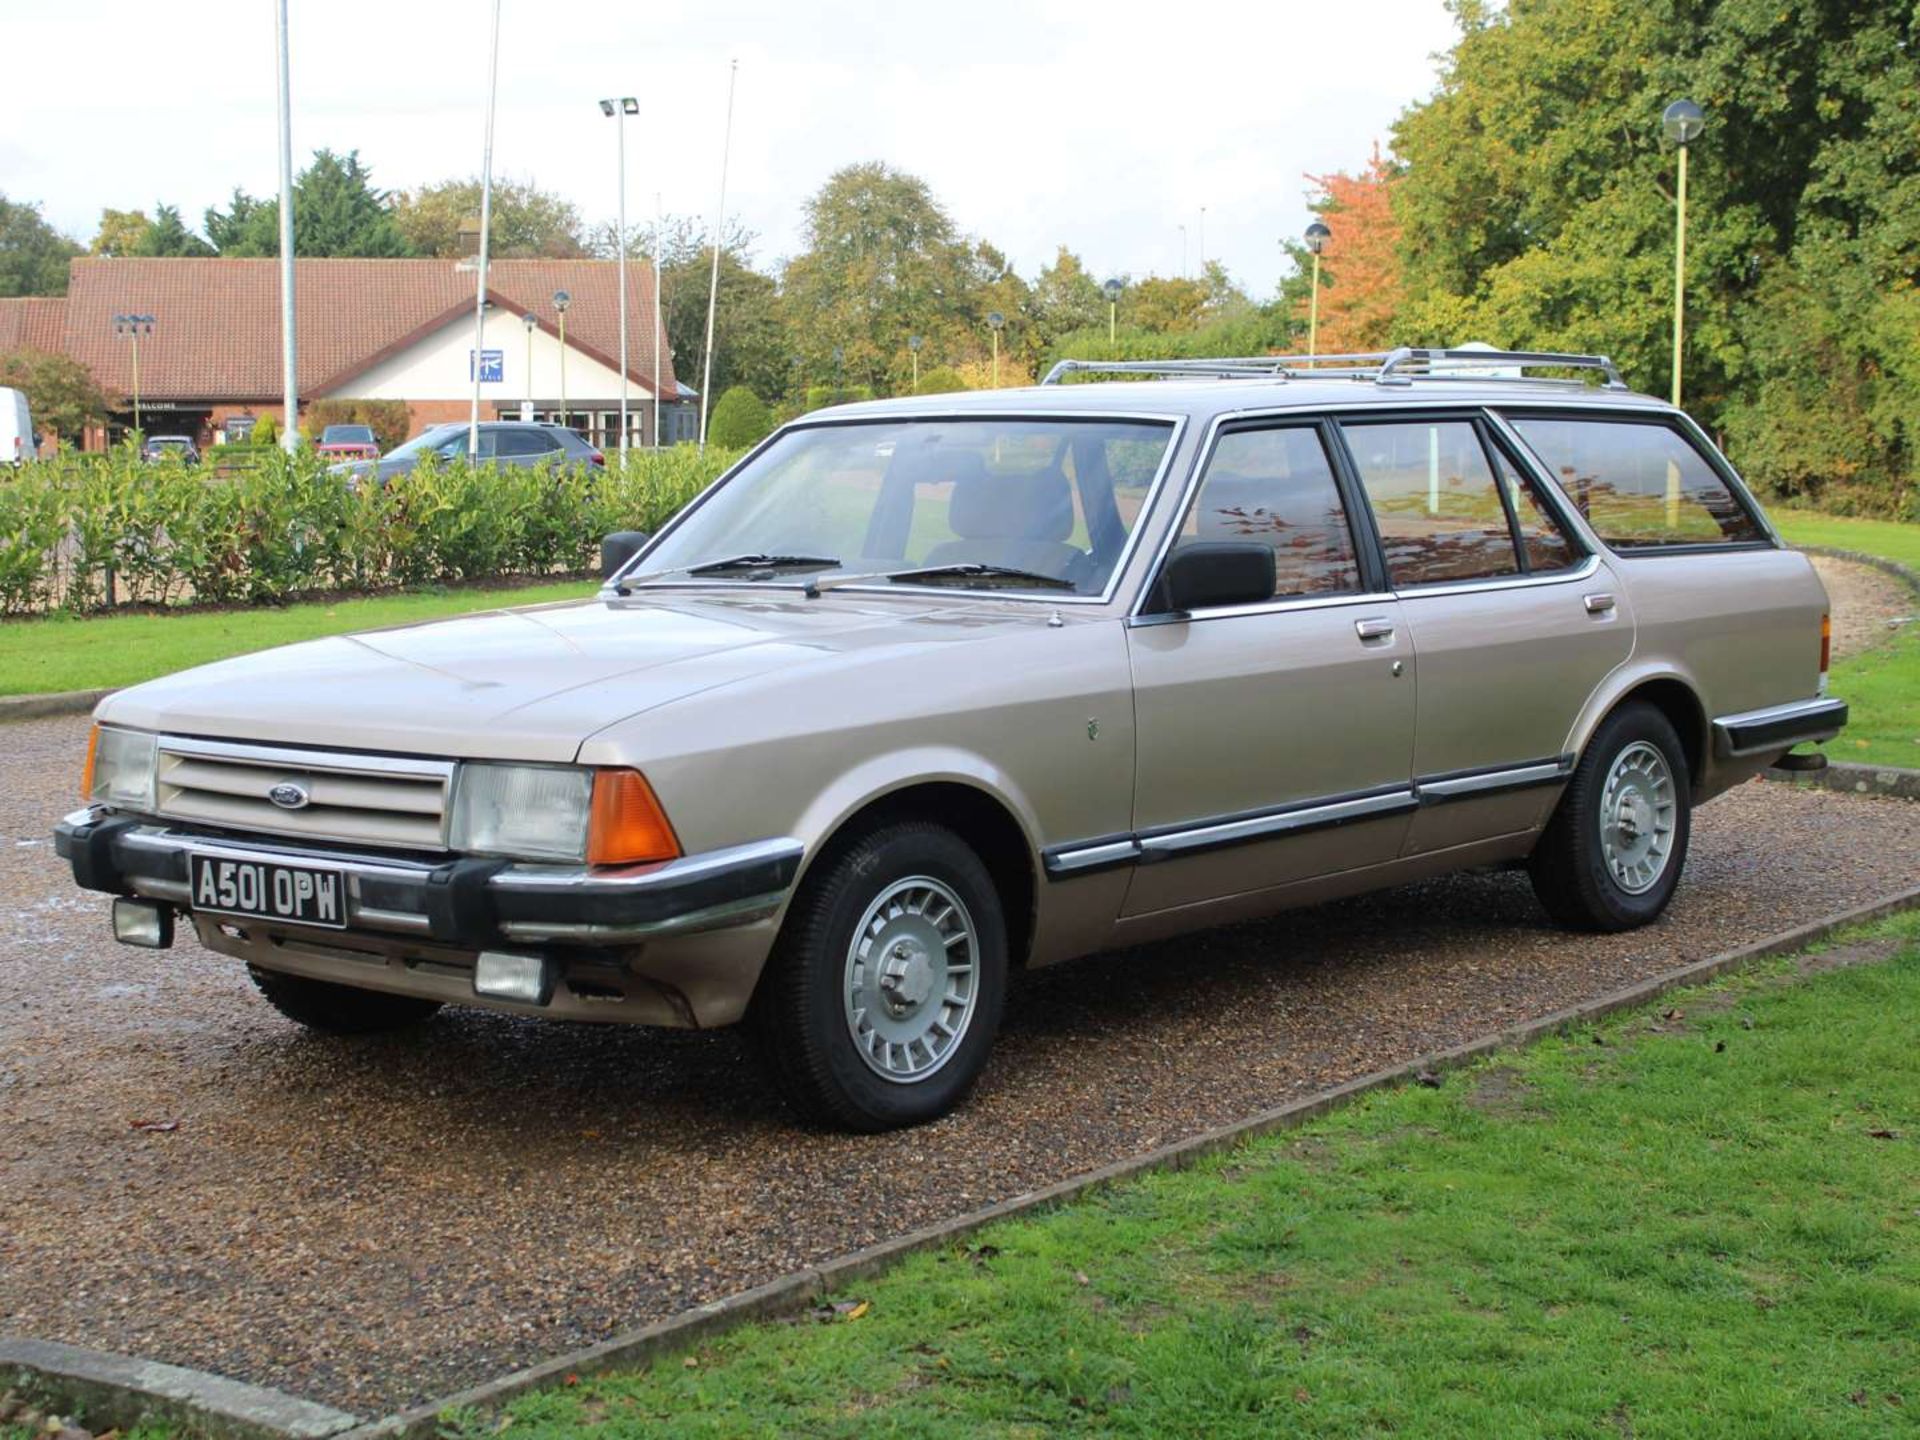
(1362, 283)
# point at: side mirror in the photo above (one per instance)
(1216, 572)
(618, 548)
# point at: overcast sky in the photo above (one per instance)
(1101, 126)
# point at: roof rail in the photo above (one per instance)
(1383, 367)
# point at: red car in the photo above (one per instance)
(348, 442)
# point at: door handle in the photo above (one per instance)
(1599, 604)
(1375, 629)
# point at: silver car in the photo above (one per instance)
(926, 690)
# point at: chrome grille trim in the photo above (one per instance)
(395, 802)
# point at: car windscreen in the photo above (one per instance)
(1054, 499)
(426, 440)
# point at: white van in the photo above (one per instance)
(17, 442)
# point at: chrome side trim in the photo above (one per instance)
(1777, 727)
(1187, 839)
(1458, 785)
(1083, 857)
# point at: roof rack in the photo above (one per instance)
(1382, 367)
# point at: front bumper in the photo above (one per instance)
(471, 904)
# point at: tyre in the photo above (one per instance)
(1612, 854)
(338, 1009)
(883, 993)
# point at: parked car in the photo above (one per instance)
(502, 442)
(924, 691)
(18, 443)
(162, 447)
(348, 442)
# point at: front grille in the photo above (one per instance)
(369, 799)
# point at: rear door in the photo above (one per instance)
(1514, 621)
(1273, 739)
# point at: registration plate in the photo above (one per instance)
(298, 894)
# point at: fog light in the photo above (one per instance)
(146, 923)
(526, 978)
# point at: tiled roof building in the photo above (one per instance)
(368, 329)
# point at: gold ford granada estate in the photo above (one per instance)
(924, 690)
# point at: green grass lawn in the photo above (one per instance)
(1701, 1219)
(1882, 686)
(113, 650)
(1890, 539)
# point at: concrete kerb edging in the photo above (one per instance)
(122, 1390)
(792, 1292)
(57, 702)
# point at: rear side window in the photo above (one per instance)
(1434, 498)
(1276, 486)
(1639, 485)
(1544, 541)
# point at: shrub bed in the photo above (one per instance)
(85, 532)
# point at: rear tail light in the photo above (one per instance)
(594, 457)
(1826, 649)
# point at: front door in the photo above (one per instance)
(1516, 624)
(1274, 740)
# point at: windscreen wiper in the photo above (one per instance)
(763, 562)
(767, 563)
(940, 574)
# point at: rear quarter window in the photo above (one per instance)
(1640, 485)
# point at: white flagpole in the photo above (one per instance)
(486, 224)
(713, 285)
(290, 432)
(659, 319)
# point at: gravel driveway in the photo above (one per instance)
(372, 1223)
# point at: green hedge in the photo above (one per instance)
(169, 533)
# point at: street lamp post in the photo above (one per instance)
(914, 342)
(1183, 252)
(996, 322)
(1683, 121)
(619, 109)
(1112, 291)
(1317, 236)
(561, 299)
(133, 327)
(532, 323)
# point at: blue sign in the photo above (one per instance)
(493, 366)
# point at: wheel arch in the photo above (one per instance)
(987, 815)
(1674, 696)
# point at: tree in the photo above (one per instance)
(33, 255)
(1167, 304)
(526, 221)
(749, 339)
(941, 380)
(61, 392)
(882, 261)
(239, 229)
(1065, 298)
(1538, 211)
(336, 212)
(740, 418)
(120, 232)
(168, 235)
(1360, 267)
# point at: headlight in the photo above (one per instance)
(548, 812)
(120, 769)
(535, 812)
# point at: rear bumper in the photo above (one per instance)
(470, 904)
(1778, 727)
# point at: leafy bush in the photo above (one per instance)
(821, 396)
(941, 380)
(389, 419)
(740, 418)
(266, 431)
(83, 531)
